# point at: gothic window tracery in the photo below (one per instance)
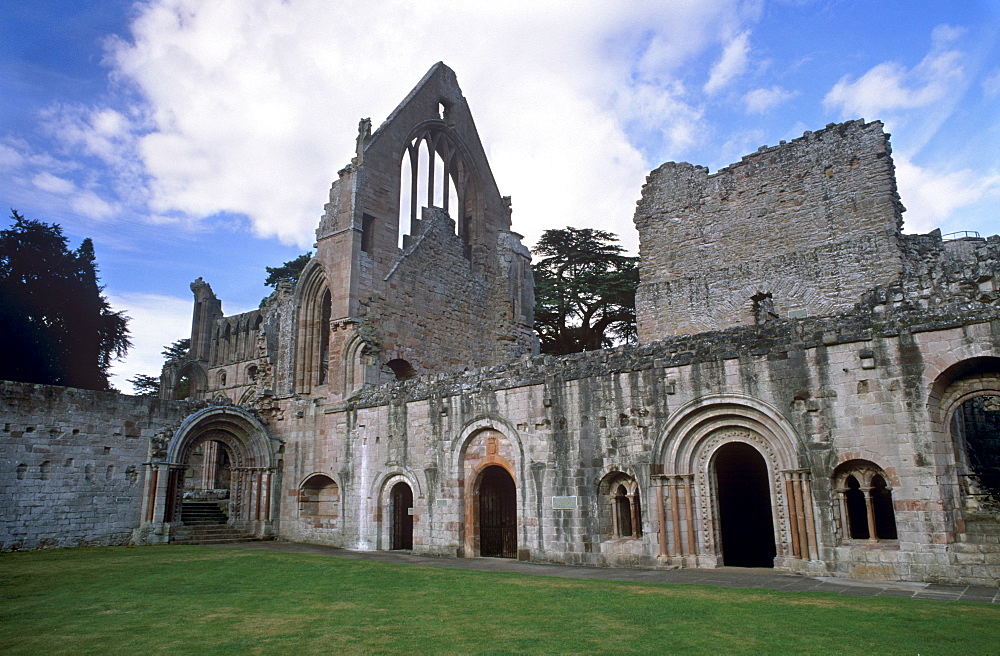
(433, 172)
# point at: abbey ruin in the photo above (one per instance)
(813, 390)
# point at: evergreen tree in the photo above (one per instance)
(291, 269)
(145, 385)
(584, 291)
(58, 327)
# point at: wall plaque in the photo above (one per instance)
(564, 503)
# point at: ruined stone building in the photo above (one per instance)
(813, 390)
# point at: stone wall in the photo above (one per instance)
(809, 394)
(71, 463)
(799, 229)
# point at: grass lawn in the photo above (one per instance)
(202, 600)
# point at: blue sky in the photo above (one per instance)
(192, 138)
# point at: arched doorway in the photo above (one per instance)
(401, 513)
(223, 453)
(497, 513)
(744, 506)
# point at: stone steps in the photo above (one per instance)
(209, 534)
(202, 512)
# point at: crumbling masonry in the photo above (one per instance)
(813, 390)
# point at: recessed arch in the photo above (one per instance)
(679, 443)
(251, 455)
(312, 348)
(961, 400)
(319, 498)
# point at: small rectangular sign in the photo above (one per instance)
(564, 503)
(441, 503)
(409, 511)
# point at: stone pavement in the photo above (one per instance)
(725, 577)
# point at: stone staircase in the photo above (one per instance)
(205, 523)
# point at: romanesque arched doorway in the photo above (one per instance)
(497, 513)
(746, 525)
(220, 455)
(401, 516)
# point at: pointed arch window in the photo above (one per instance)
(312, 352)
(434, 173)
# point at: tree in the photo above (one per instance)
(291, 269)
(57, 327)
(177, 350)
(145, 385)
(584, 291)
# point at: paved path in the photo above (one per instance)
(726, 577)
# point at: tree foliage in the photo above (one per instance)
(145, 385)
(177, 350)
(584, 291)
(56, 325)
(291, 269)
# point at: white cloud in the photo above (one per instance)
(156, 321)
(731, 64)
(890, 87)
(53, 184)
(249, 106)
(932, 196)
(759, 101)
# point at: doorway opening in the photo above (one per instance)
(497, 513)
(744, 502)
(401, 513)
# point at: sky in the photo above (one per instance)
(191, 138)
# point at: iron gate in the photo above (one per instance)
(497, 514)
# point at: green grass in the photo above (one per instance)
(201, 600)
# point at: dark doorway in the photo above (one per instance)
(402, 516)
(497, 514)
(744, 506)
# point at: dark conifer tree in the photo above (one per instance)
(58, 327)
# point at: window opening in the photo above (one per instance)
(885, 516)
(976, 424)
(763, 308)
(367, 232)
(324, 338)
(183, 388)
(623, 503)
(866, 506)
(857, 509)
(432, 175)
(401, 369)
(407, 194)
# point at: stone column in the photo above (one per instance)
(660, 515)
